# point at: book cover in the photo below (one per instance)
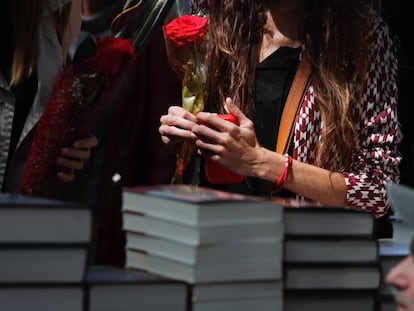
(25, 220)
(190, 193)
(112, 288)
(193, 205)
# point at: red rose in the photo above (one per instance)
(186, 29)
(111, 55)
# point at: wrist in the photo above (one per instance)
(283, 176)
(266, 163)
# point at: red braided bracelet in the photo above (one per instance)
(278, 185)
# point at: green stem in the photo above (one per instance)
(147, 24)
(127, 4)
(179, 5)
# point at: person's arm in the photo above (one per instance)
(377, 160)
(307, 180)
(236, 148)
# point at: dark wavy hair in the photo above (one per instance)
(334, 33)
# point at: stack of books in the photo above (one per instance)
(228, 247)
(43, 254)
(111, 288)
(331, 259)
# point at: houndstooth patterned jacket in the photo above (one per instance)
(376, 158)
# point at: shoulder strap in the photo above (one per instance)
(294, 99)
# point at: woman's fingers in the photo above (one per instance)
(176, 125)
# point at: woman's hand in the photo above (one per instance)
(176, 125)
(73, 158)
(232, 146)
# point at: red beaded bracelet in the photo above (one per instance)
(278, 185)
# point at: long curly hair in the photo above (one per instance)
(334, 34)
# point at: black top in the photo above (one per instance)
(274, 77)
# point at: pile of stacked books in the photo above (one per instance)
(110, 288)
(227, 247)
(43, 254)
(331, 259)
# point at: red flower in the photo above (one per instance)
(112, 54)
(186, 29)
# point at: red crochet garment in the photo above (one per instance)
(80, 93)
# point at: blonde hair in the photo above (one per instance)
(27, 15)
(27, 18)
